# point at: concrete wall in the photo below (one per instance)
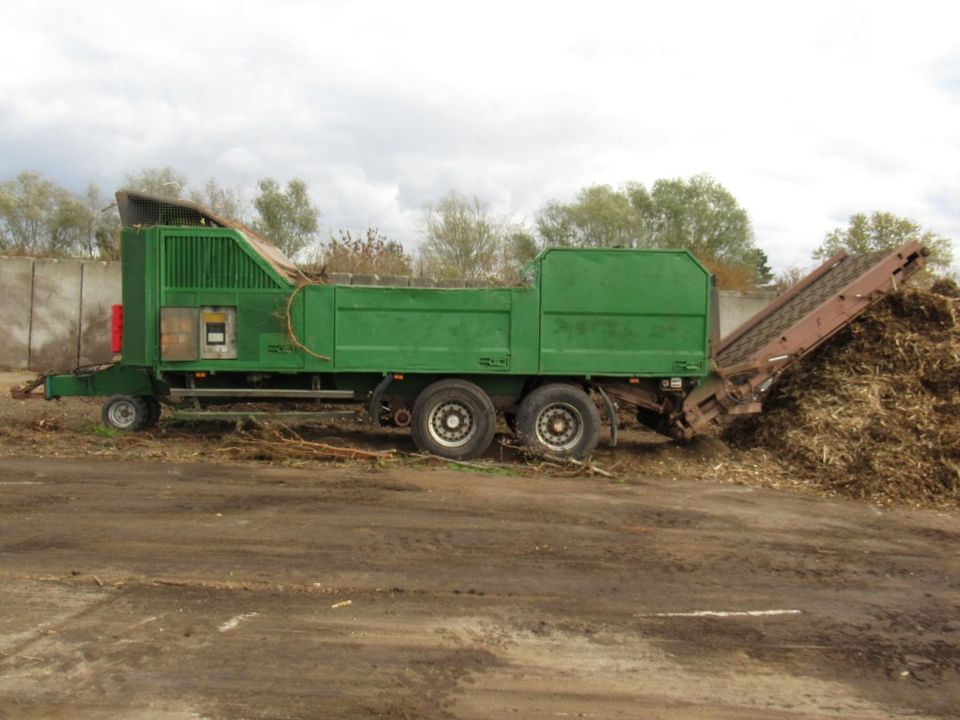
(55, 323)
(16, 301)
(55, 314)
(100, 292)
(735, 307)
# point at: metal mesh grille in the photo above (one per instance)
(140, 210)
(192, 262)
(838, 277)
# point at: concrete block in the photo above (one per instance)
(395, 280)
(451, 283)
(55, 333)
(16, 289)
(365, 280)
(736, 307)
(423, 282)
(100, 292)
(339, 278)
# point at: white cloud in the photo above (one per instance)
(807, 113)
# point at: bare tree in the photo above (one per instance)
(40, 218)
(460, 238)
(224, 201)
(164, 181)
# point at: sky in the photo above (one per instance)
(806, 112)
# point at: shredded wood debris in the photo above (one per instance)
(875, 413)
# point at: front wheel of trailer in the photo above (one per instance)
(125, 412)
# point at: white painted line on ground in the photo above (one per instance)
(722, 613)
(234, 621)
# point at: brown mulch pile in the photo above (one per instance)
(875, 412)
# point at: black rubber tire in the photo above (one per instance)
(124, 412)
(469, 425)
(154, 409)
(577, 431)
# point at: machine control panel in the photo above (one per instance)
(218, 333)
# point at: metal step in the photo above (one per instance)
(242, 415)
(180, 393)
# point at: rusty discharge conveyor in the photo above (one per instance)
(750, 358)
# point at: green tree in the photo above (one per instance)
(598, 217)
(761, 267)
(460, 238)
(885, 231)
(287, 217)
(164, 182)
(697, 214)
(40, 218)
(518, 248)
(702, 216)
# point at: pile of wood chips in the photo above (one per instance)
(875, 412)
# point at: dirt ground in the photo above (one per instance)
(165, 576)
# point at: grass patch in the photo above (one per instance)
(492, 470)
(100, 430)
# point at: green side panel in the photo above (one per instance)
(621, 311)
(221, 297)
(139, 293)
(173, 298)
(525, 329)
(261, 320)
(112, 381)
(319, 326)
(423, 330)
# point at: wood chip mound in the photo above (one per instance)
(875, 412)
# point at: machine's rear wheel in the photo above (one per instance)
(560, 419)
(454, 419)
(125, 412)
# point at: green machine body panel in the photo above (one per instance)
(435, 330)
(208, 300)
(622, 311)
(138, 249)
(215, 270)
(112, 380)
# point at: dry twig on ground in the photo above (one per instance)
(283, 443)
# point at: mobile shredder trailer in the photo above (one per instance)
(214, 315)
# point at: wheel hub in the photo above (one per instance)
(559, 426)
(451, 424)
(122, 414)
